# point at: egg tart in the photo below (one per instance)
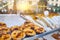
(17, 34)
(6, 37)
(28, 24)
(5, 29)
(34, 27)
(0, 29)
(58, 39)
(39, 30)
(14, 28)
(21, 28)
(0, 34)
(3, 24)
(29, 32)
(56, 36)
(27, 21)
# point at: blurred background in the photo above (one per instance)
(29, 6)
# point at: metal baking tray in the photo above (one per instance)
(11, 19)
(48, 30)
(14, 19)
(42, 35)
(52, 23)
(49, 36)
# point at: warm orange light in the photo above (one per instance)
(23, 6)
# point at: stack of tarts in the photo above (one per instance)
(4, 32)
(19, 32)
